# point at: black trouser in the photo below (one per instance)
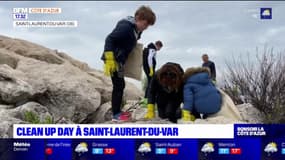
(117, 93)
(146, 71)
(167, 107)
(148, 85)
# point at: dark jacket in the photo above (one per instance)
(156, 90)
(211, 66)
(199, 92)
(145, 58)
(122, 39)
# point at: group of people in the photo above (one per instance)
(168, 87)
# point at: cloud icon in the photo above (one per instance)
(81, 147)
(144, 148)
(266, 12)
(208, 148)
(271, 148)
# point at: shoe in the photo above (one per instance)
(127, 114)
(150, 112)
(122, 117)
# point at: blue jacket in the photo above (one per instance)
(122, 39)
(200, 94)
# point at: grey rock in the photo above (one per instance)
(131, 92)
(76, 63)
(37, 109)
(103, 114)
(6, 122)
(13, 87)
(250, 114)
(31, 50)
(7, 58)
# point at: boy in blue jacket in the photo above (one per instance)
(200, 94)
(118, 44)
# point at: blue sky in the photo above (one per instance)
(188, 29)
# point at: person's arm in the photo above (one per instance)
(120, 33)
(188, 104)
(151, 53)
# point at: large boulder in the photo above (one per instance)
(13, 87)
(69, 93)
(31, 50)
(7, 121)
(67, 87)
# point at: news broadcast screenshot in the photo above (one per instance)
(142, 80)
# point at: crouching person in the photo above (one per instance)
(166, 91)
(201, 97)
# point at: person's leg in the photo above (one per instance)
(146, 71)
(171, 109)
(178, 113)
(161, 106)
(195, 113)
(147, 86)
(117, 93)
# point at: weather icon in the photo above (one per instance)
(266, 12)
(144, 148)
(81, 148)
(208, 148)
(271, 148)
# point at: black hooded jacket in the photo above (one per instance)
(157, 90)
(122, 39)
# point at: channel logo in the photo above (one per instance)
(265, 13)
(20, 13)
